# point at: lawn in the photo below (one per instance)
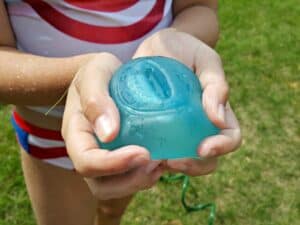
(257, 185)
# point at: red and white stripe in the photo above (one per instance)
(61, 28)
(105, 6)
(77, 28)
(47, 145)
(57, 28)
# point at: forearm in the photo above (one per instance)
(199, 21)
(27, 79)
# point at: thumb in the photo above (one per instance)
(214, 99)
(92, 84)
(215, 88)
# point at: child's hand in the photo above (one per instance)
(206, 63)
(90, 109)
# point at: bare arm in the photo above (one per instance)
(30, 79)
(198, 18)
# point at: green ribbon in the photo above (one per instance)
(191, 208)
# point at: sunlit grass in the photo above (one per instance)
(259, 184)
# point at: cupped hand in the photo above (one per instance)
(207, 65)
(91, 111)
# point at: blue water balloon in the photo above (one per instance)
(160, 105)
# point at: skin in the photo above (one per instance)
(208, 67)
(102, 173)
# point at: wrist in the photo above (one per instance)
(74, 63)
(200, 22)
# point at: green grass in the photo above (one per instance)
(259, 184)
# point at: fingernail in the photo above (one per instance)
(103, 126)
(221, 112)
(151, 166)
(138, 161)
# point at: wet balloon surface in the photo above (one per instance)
(159, 100)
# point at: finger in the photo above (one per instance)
(208, 67)
(84, 151)
(72, 106)
(214, 99)
(193, 167)
(92, 83)
(152, 165)
(228, 140)
(117, 186)
(89, 160)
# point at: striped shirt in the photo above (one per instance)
(61, 28)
